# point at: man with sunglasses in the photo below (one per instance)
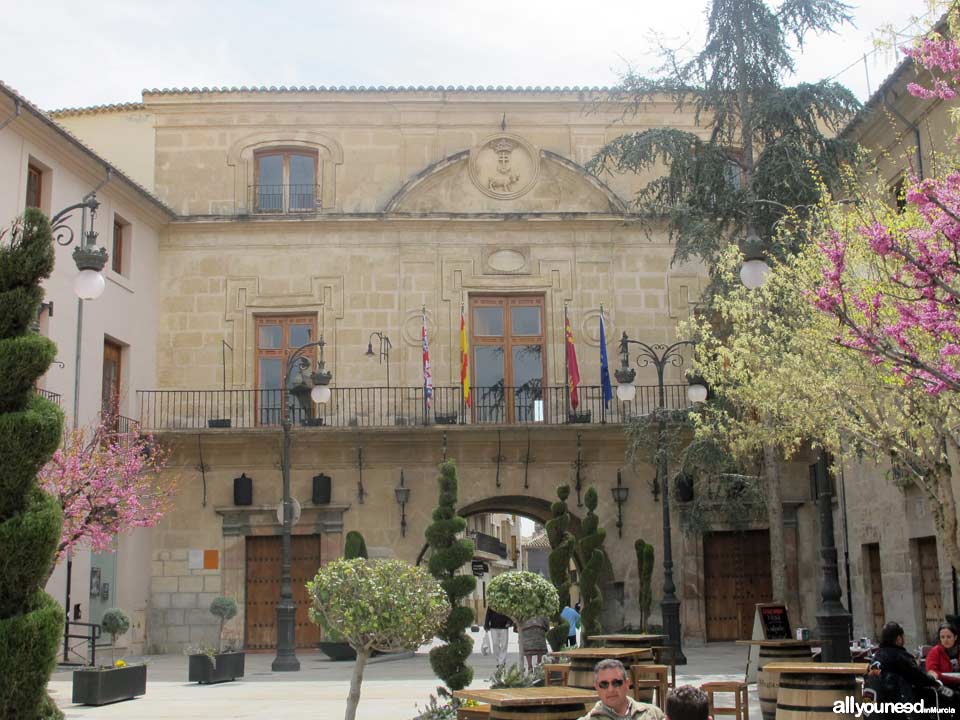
(610, 682)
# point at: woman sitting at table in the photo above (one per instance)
(944, 656)
(901, 679)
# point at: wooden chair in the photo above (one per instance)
(560, 669)
(741, 702)
(664, 655)
(650, 677)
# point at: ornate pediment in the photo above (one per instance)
(505, 174)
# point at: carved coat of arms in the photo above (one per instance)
(504, 166)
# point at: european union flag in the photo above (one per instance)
(604, 367)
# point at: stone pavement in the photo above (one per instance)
(392, 687)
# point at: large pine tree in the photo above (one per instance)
(31, 622)
(749, 166)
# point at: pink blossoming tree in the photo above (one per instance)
(107, 483)
(903, 308)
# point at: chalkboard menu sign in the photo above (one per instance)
(776, 624)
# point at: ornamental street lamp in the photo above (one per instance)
(304, 392)
(660, 356)
(833, 621)
(383, 353)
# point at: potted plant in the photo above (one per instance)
(104, 684)
(209, 665)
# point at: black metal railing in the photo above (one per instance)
(284, 198)
(51, 396)
(397, 406)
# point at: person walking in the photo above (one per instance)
(534, 635)
(499, 628)
(573, 620)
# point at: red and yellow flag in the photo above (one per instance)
(573, 370)
(464, 360)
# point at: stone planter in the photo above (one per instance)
(338, 651)
(222, 667)
(95, 686)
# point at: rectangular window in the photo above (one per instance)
(121, 239)
(509, 358)
(286, 182)
(34, 186)
(277, 337)
(110, 387)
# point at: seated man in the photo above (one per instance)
(900, 679)
(687, 703)
(610, 682)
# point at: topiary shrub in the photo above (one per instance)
(562, 544)
(377, 605)
(31, 622)
(354, 546)
(590, 549)
(223, 608)
(115, 623)
(448, 554)
(522, 595)
(645, 573)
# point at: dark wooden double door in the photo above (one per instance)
(736, 569)
(264, 555)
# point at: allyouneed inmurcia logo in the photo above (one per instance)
(849, 706)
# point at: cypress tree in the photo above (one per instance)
(645, 573)
(448, 554)
(354, 546)
(590, 549)
(31, 622)
(562, 544)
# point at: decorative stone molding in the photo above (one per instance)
(262, 520)
(506, 261)
(241, 153)
(504, 166)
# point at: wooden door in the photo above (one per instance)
(263, 589)
(736, 569)
(110, 386)
(876, 588)
(930, 587)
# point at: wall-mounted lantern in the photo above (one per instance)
(402, 494)
(620, 494)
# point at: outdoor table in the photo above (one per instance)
(582, 661)
(533, 703)
(774, 651)
(627, 640)
(808, 691)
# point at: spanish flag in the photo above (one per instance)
(573, 370)
(464, 360)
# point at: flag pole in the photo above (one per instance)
(423, 333)
(603, 399)
(566, 364)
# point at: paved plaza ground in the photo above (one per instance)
(392, 688)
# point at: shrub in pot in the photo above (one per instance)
(334, 645)
(117, 681)
(214, 665)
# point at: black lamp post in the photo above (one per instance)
(833, 621)
(383, 353)
(402, 494)
(660, 356)
(286, 659)
(88, 285)
(620, 495)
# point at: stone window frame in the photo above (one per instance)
(242, 158)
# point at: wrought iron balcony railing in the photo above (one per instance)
(284, 198)
(489, 544)
(51, 396)
(396, 406)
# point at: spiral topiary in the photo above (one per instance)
(645, 573)
(590, 549)
(448, 554)
(31, 622)
(562, 544)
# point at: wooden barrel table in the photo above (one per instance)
(808, 691)
(770, 651)
(582, 661)
(533, 703)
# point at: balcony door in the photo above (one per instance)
(110, 386)
(509, 358)
(277, 337)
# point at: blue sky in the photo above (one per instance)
(59, 55)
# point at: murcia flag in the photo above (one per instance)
(427, 377)
(573, 370)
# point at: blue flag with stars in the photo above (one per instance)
(604, 367)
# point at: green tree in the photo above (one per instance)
(223, 608)
(645, 574)
(382, 605)
(31, 622)
(745, 168)
(354, 546)
(590, 549)
(448, 555)
(115, 623)
(522, 595)
(562, 544)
